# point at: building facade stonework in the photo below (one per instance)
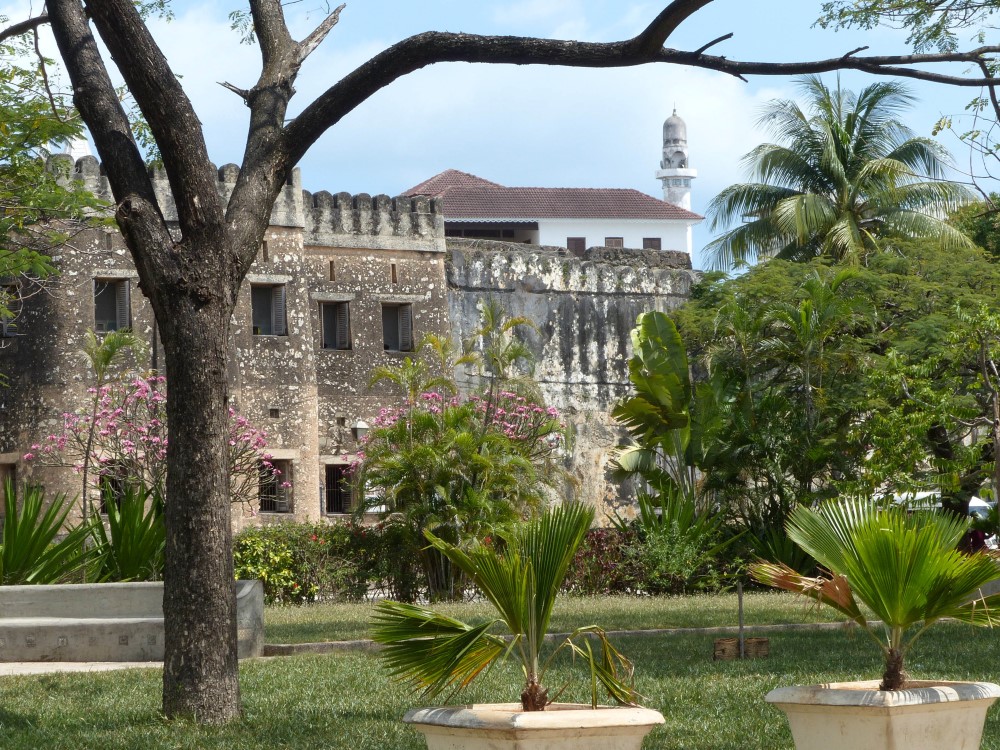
(343, 284)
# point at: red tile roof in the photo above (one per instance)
(469, 197)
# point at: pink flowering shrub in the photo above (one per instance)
(130, 439)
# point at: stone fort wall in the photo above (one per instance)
(368, 251)
(584, 308)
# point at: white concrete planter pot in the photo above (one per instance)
(505, 726)
(928, 715)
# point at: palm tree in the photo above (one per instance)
(846, 175)
(520, 577)
(905, 568)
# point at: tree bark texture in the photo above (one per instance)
(200, 671)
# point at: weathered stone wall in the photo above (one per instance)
(368, 252)
(584, 309)
(47, 372)
(307, 398)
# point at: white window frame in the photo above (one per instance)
(278, 310)
(123, 304)
(340, 338)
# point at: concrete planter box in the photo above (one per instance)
(105, 621)
(858, 716)
(505, 726)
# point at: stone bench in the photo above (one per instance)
(105, 621)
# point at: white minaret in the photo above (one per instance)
(674, 172)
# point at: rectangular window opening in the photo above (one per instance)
(112, 305)
(263, 251)
(338, 489)
(392, 273)
(614, 242)
(267, 303)
(397, 328)
(273, 413)
(576, 244)
(336, 325)
(274, 486)
(652, 243)
(333, 270)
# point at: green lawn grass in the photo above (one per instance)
(344, 622)
(346, 701)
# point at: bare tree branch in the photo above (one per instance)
(43, 69)
(434, 47)
(98, 103)
(23, 27)
(712, 43)
(271, 30)
(316, 38)
(652, 39)
(241, 93)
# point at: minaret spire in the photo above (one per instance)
(674, 172)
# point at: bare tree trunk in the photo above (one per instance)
(200, 678)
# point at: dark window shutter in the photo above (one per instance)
(122, 307)
(405, 328)
(343, 326)
(278, 326)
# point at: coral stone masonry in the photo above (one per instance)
(340, 285)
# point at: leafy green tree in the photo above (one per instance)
(981, 223)
(930, 25)
(846, 176)
(34, 202)
(848, 382)
(460, 468)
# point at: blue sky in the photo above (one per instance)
(530, 126)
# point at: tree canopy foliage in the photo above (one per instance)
(814, 380)
(33, 199)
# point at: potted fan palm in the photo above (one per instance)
(906, 569)
(520, 574)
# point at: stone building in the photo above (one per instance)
(343, 284)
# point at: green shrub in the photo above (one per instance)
(303, 562)
(31, 550)
(673, 562)
(605, 563)
(133, 546)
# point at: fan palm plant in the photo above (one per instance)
(520, 574)
(846, 175)
(905, 568)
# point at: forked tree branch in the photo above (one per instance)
(429, 48)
